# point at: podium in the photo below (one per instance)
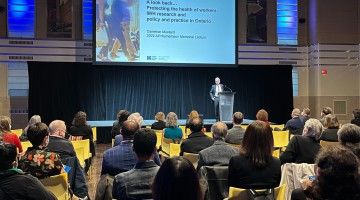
(226, 105)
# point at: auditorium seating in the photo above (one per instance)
(94, 130)
(281, 138)
(217, 181)
(192, 157)
(58, 185)
(159, 136)
(169, 148)
(82, 149)
(17, 132)
(25, 145)
(209, 134)
(241, 194)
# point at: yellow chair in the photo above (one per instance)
(17, 132)
(112, 142)
(239, 193)
(174, 150)
(279, 126)
(79, 150)
(276, 153)
(281, 138)
(159, 136)
(192, 157)
(58, 185)
(169, 148)
(183, 129)
(244, 126)
(325, 144)
(85, 145)
(209, 134)
(94, 130)
(25, 145)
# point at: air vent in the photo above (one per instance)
(21, 57)
(29, 42)
(340, 107)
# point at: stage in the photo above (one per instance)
(104, 127)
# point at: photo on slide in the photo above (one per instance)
(117, 30)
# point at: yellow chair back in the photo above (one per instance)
(25, 145)
(209, 134)
(244, 126)
(85, 145)
(279, 126)
(159, 136)
(174, 150)
(183, 131)
(17, 132)
(94, 131)
(325, 144)
(239, 193)
(58, 185)
(112, 142)
(276, 153)
(192, 157)
(281, 138)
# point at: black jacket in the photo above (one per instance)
(301, 149)
(15, 184)
(196, 142)
(86, 133)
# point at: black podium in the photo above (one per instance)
(226, 105)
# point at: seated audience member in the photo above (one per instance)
(325, 111)
(197, 140)
(5, 133)
(137, 118)
(33, 120)
(172, 131)
(255, 167)
(160, 121)
(331, 126)
(65, 149)
(121, 158)
(136, 183)
(193, 114)
(38, 160)
(80, 130)
(337, 177)
(305, 115)
(356, 114)
(262, 115)
(14, 183)
(120, 118)
(349, 137)
(220, 152)
(295, 125)
(176, 180)
(236, 134)
(303, 148)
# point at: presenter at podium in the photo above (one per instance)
(214, 94)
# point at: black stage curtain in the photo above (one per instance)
(59, 90)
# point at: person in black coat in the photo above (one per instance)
(356, 119)
(160, 121)
(120, 118)
(304, 148)
(331, 125)
(255, 167)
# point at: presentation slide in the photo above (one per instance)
(166, 31)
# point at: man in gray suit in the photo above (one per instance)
(219, 153)
(236, 133)
(214, 94)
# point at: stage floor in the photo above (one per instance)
(148, 122)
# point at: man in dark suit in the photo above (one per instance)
(197, 140)
(236, 134)
(219, 153)
(214, 94)
(295, 125)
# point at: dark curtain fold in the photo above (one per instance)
(59, 90)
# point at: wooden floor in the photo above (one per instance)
(94, 173)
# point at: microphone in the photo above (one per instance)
(227, 88)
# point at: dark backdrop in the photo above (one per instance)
(59, 90)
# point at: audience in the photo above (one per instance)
(121, 158)
(136, 183)
(177, 180)
(172, 131)
(236, 134)
(66, 151)
(160, 121)
(324, 111)
(220, 152)
(331, 126)
(356, 114)
(120, 118)
(262, 115)
(337, 177)
(295, 125)
(193, 114)
(14, 183)
(305, 115)
(303, 148)
(80, 130)
(197, 140)
(349, 137)
(137, 118)
(255, 167)
(5, 133)
(38, 160)
(33, 120)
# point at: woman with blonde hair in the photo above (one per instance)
(193, 114)
(5, 133)
(172, 131)
(160, 121)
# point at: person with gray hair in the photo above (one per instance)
(172, 131)
(219, 153)
(236, 134)
(33, 120)
(349, 136)
(295, 125)
(304, 148)
(137, 118)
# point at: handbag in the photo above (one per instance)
(267, 194)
